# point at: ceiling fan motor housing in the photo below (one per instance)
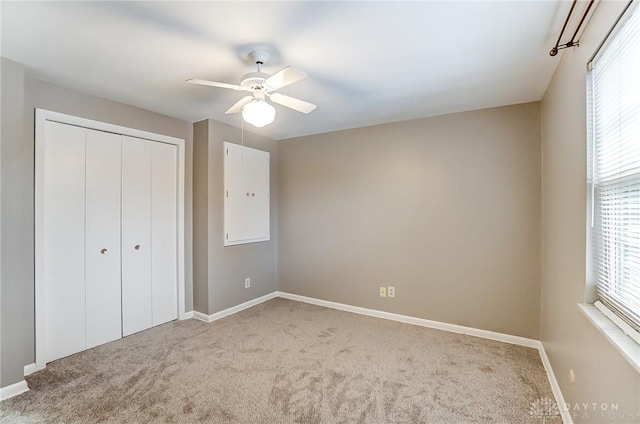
(254, 79)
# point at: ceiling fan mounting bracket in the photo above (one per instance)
(259, 56)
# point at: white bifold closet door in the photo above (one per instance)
(164, 232)
(149, 261)
(102, 235)
(63, 240)
(110, 237)
(136, 235)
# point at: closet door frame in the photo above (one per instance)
(41, 117)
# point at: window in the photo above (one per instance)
(614, 169)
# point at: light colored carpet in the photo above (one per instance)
(287, 362)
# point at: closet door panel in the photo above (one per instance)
(136, 235)
(63, 239)
(164, 232)
(103, 293)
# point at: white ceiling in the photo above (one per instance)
(368, 62)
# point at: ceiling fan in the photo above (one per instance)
(255, 108)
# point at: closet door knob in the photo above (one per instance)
(103, 251)
(137, 247)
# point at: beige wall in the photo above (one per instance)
(16, 261)
(446, 209)
(18, 341)
(219, 271)
(572, 342)
(201, 216)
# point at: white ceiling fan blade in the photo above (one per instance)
(284, 77)
(218, 84)
(239, 104)
(293, 103)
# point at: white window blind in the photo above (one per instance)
(614, 169)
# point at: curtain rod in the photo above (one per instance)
(573, 42)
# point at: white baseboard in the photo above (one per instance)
(491, 335)
(555, 387)
(234, 309)
(30, 369)
(485, 334)
(13, 390)
(186, 315)
(200, 316)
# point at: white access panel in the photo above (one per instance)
(258, 183)
(164, 232)
(236, 201)
(63, 239)
(136, 235)
(246, 201)
(102, 275)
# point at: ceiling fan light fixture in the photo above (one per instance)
(258, 113)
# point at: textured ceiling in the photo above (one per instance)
(368, 62)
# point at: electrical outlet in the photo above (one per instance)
(383, 292)
(391, 291)
(247, 283)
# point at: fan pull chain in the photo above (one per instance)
(242, 138)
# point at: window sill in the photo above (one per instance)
(627, 346)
